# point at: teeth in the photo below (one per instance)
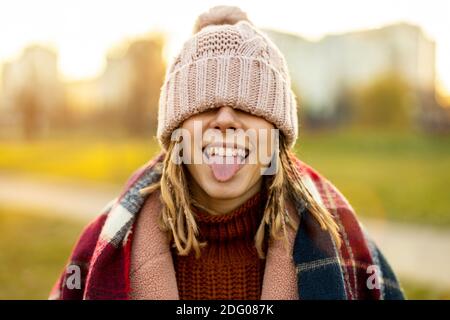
(225, 152)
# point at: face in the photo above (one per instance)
(232, 159)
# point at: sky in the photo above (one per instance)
(84, 31)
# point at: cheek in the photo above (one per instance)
(267, 142)
(188, 155)
(251, 176)
(191, 152)
(196, 171)
(202, 175)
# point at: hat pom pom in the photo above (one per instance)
(220, 15)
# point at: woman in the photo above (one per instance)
(227, 211)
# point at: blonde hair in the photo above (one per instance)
(286, 184)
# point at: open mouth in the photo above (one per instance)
(225, 160)
(225, 151)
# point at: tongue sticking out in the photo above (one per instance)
(224, 168)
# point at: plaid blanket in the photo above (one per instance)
(355, 270)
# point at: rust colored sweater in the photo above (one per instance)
(229, 266)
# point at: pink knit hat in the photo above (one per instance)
(227, 62)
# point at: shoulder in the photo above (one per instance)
(87, 241)
(328, 195)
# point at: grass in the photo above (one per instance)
(97, 160)
(33, 251)
(418, 291)
(385, 174)
(35, 247)
(392, 175)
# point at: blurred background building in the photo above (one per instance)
(32, 93)
(328, 73)
(35, 102)
(383, 76)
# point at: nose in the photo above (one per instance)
(225, 118)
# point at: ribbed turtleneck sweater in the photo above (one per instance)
(229, 266)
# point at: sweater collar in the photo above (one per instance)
(241, 223)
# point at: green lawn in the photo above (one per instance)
(399, 176)
(35, 247)
(385, 174)
(80, 159)
(419, 291)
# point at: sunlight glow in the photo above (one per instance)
(84, 31)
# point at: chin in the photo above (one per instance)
(224, 190)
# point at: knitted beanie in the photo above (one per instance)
(227, 62)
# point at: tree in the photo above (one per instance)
(387, 101)
(147, 76)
